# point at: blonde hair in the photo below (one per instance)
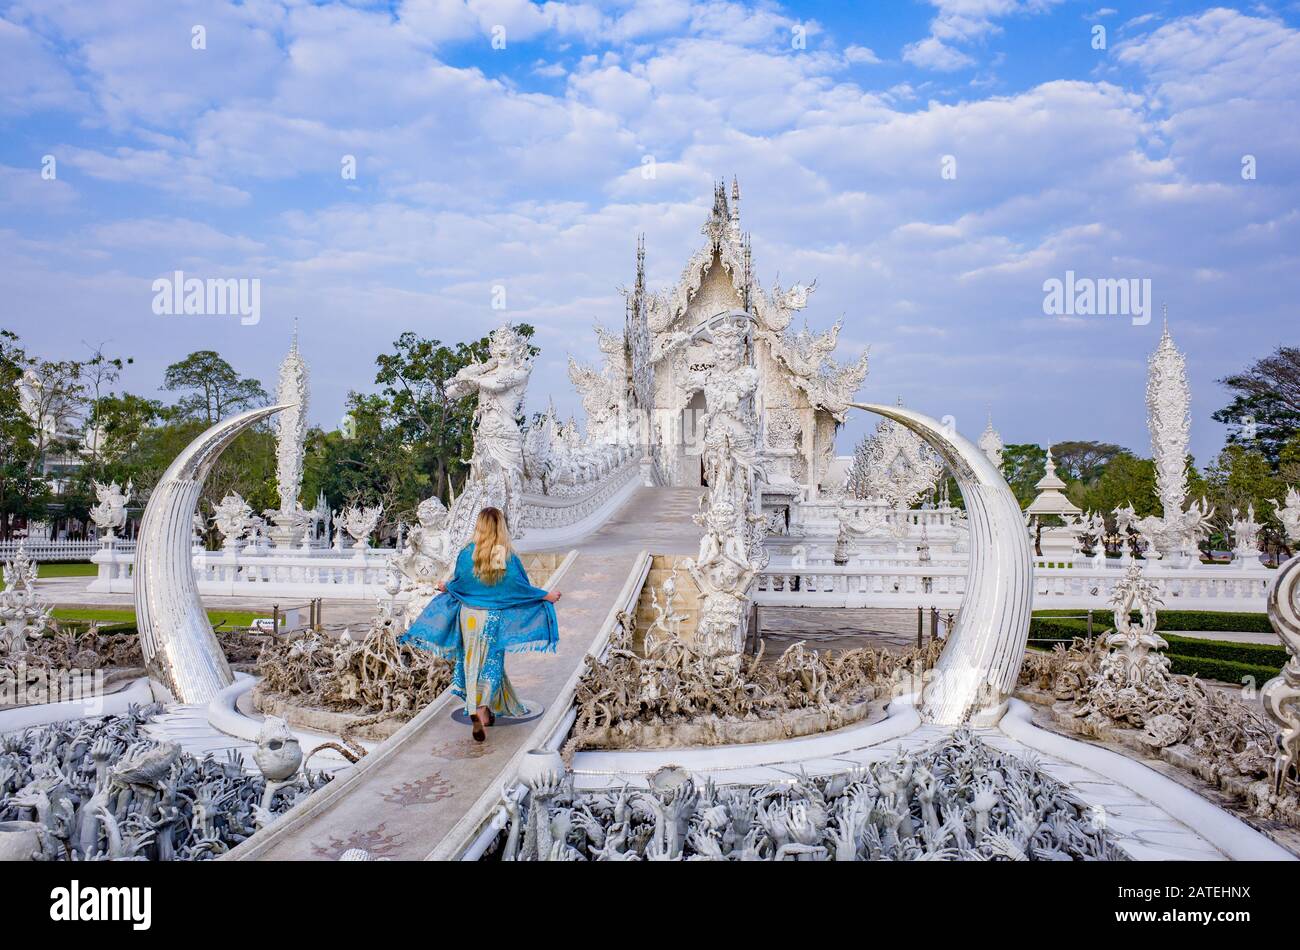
(491, 546)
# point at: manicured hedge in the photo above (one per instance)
(1208, 659)
(1237, 622)
(1225, 671)
(1261, 654)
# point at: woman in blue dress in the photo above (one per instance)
(486, 610)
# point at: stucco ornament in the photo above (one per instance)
(602, 390)
(729, 387)
(426, 557)
(990, 443)
(827, 384)
(500, 383)
(731, 552)
(1176, 531)
(360, 522)
(290, 446)
(724, 573)
(1245, 535)
(1134, 660)
(233, 519)
(1289, 514)
(109, 512)
(23, 614)
(894, 465)
(1281, 695)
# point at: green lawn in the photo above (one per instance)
(63, 569)
(125, 616)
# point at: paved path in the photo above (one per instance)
(418, 794)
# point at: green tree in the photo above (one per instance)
(1023, 464)
(1083, 461)
(24, 491)
(211, 388)
(369, 463)
(1240, 478)
(1125, 480)
(436, 430)
(1265, 409)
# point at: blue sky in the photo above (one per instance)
(522, 167)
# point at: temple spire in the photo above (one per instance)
(735, 207)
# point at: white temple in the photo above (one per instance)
(655, 376)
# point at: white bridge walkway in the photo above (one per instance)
(425, 792)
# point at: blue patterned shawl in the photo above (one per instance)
(528, 622)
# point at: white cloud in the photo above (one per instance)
(933, 53)
(859, 55)
(31, 77)
(470, 174)
(964, 22)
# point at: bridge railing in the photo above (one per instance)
(943, 586)
(551, 521)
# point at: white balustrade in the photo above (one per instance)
(44, 550)
(881, 584)
(349, 574)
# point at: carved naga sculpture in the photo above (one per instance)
(1281, 695)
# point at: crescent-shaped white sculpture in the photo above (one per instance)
(175, 635)
(981, 661)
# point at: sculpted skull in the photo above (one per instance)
(278, 753)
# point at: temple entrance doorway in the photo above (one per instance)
(690, 466)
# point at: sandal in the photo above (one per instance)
(492, 718)
(479, 734)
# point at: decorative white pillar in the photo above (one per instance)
(1169, 421)
(290, 446)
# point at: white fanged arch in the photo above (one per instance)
(175, 636)
(981, 660)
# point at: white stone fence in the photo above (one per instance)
(551, 522)
(44, 550)
(1208, 588)
(825, 513)
(252, 572)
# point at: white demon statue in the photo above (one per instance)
(426, 558)
(500, 383)
(109, 514)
